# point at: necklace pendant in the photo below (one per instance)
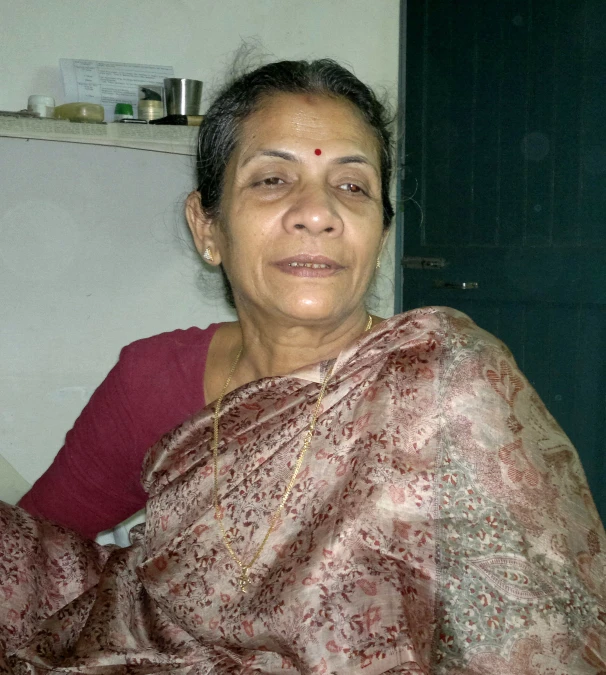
(243, 581)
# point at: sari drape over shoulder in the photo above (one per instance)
(441, 523)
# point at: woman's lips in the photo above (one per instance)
(309, 266)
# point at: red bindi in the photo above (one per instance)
(318, 151)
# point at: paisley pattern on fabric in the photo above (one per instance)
(441, 523)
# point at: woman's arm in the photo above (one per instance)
(94, 482)
(519, 540)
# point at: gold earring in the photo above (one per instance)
(378, 265)
(207, 255)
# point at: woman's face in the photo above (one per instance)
(301, 214)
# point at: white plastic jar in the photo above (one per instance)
(44, 105)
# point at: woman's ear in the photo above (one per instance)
(201, 228)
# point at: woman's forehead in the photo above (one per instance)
(306, 119)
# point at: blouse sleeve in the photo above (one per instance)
(93, 483)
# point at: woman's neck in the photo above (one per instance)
(270, 348)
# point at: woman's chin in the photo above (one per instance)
(304, 308)
(310, 311)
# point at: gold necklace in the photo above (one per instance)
(243, 580)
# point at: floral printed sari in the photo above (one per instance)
(441, 523)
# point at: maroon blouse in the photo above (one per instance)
(94, 482)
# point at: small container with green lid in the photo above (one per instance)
(123, 111)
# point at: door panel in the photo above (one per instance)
(505, 180)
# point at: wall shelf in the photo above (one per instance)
(180, 140)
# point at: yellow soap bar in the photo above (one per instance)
(80, 112)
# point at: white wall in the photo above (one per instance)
(93, 255)
(197, 37)
(77, 283)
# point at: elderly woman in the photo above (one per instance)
(359, 495)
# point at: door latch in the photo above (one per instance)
(421, 263)
(456, 285)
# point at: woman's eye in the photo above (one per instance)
(351, 187)
(270, 181)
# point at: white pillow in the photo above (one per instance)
(12, 484)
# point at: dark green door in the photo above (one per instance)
(505, 167)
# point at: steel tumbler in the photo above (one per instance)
(183, 96)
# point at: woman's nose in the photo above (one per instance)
(315, 212)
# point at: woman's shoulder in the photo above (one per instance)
(450, 330)
(168, 347)
(180, 338)
(167, 361)
(446, 321)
